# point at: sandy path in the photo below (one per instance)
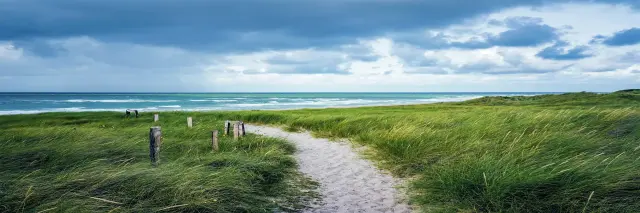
(348, 182)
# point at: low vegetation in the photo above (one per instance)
(577, 152)
(99, 162)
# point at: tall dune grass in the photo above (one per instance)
(576, 152)
(554, 153)
(99, 162)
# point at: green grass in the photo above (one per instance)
(99, 162)
(577, 152)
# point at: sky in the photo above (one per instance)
(319, 45)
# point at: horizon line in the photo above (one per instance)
(1, 92)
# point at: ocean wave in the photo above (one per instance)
(331, 102)
(67, 109)
(315, 102)
(449, 99)
(118, 101)
(237, 103)
(214, 100)
(330, 99)
(83, 109)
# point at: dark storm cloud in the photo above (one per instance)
(621, 38)
(525, 31)
(240, 24)
(522, 32)
(559, 51)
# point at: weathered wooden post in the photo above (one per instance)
(236, 132)
(227, 124)
(241, 126)
(155, 141)
(189, 122)
(127, 113)
(242, 132)
(214, 140)
(156, 117)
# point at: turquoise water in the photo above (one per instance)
(26, 103)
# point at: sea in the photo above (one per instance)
(30, 103)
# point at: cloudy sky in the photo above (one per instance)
(319, 45)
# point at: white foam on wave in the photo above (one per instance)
(213, 100)
(332, 102)
(290, 103)
(118, 101)
(312, 102)
(83, 109)
(67, 109)
(330, 99)
(449, 99)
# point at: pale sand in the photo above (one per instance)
(348, 183)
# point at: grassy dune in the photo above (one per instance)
(99, 162)
(576, 152)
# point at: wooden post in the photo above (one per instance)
(241, 125)
(155, 141)
(214, 140)
(236, 128)
(227, 124)
(127, 113)
(156, 117)
(189, 122)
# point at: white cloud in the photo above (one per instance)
(9, 52)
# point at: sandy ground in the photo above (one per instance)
(348, 183)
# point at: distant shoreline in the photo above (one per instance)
(221, 110)
(14, 104)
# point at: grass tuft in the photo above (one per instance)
(99, 162)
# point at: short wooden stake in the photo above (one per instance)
(127, 113)
(155, 141)
(214, 140)
(236, 128)
(156, 117)
(227, 124)
(242, 133)
(190, 122)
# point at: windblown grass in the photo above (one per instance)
(99, 162)
(577, 152)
